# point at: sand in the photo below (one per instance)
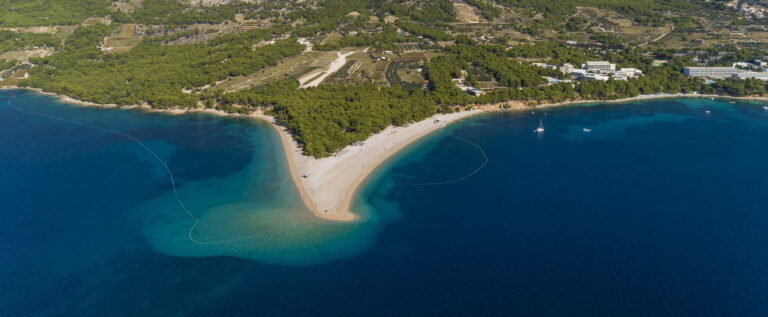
(327, 186)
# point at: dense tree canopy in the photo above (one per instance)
(487, 10)
(18, 40)
(643, 11)
(165, 74)
(419, 10)
(4, 64)
(153, 72)
(426, 31)
(324, 119)
(50, 12)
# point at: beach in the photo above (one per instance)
(327, 185)
(542, 210)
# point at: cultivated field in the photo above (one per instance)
(379, 76)
(92, 21)
(466, 13)
(13, 80)
(127, 6)
(414, 56)
(24, 55)
(290, 68)
(33, 29)
(332, 37)
(123, 40)
(405, 74)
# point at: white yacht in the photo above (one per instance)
(540, 129)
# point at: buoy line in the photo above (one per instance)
(156, 156)
(465, 177)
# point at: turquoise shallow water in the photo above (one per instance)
(660, 210)
(233, 194)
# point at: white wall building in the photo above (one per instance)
(711, 72)
(754, 75)
(567, 68)
(474, 91)
(602, 66)
(627, 73)
(578, 72)
(594, 76)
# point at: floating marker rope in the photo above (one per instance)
(465, 177)
(156, 156)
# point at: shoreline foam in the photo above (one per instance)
(332, 182)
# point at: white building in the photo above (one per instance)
(567, 68)
(543, 65)
(578, 72)
(594, 76)
(626, 73)
(474, 91)
(602, 66)
(711, 72)
(746, 65)
(753, 75)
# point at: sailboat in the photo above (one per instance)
(540, 129)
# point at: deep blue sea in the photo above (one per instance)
(660, 210)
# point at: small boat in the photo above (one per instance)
(765, 108)
(305, 175)
(708, 112)
(587, 130)
(540, 129)
(732, 102)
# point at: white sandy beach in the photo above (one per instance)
(331, 183)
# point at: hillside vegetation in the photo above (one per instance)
(50, 12)
(406, 59)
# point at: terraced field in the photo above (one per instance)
(348, 69)
(124, 40)
(404, 74)
(290, 68)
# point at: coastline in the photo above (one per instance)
(327, 186)
(332, 182)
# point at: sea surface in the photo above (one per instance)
(660, 210)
